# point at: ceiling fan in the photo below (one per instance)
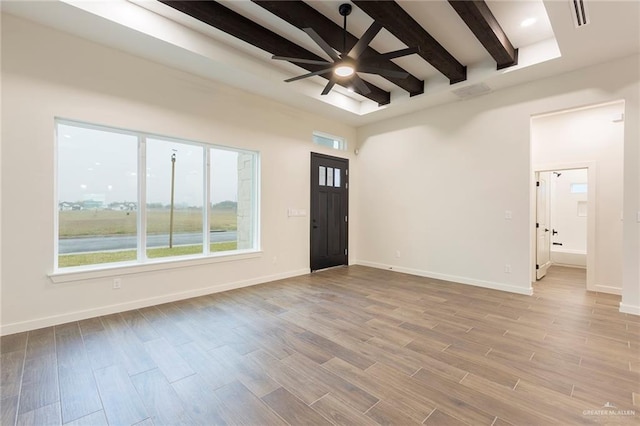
(346, 65)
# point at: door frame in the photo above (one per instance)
(591, 215)
(311, 212)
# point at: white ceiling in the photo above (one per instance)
(155, 31)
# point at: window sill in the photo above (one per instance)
(102, 271)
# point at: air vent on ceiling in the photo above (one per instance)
(579, 13)
(471, 91)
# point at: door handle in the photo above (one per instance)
(554, 232)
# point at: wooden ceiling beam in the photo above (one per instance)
(224, 19)
(301, 15)
(399, 23)
(478, 17)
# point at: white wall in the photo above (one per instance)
(591, 135)
(569, 217)
(437, 183)
(47, 74)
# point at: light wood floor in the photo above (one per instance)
(346, 346)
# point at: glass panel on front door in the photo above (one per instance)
(323, 176)
(336, 178)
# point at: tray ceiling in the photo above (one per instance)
(465, 46)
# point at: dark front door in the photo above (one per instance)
(329, 211)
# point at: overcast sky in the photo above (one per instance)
(99, 165)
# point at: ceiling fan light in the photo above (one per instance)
(343, 71)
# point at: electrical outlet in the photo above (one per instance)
(117, 283)
(398, 253)
(508, 214)
(507, 269)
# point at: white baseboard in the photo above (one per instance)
(566, 265)
(629, 309)
(569, 258)
(37, 323)
(445, 277)
(607, 289)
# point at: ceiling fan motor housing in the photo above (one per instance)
(345, 9)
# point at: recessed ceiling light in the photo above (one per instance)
(528, 22)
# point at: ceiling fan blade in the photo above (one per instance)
(399, 53)
(329, 86)
(323, 44)
(383, 72)
(364, 41)
(362, 87)
(311, 74)
(300, 60)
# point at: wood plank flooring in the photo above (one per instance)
(351, 346)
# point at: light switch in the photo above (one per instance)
(638, 218)
(508, 214)
(296, 212)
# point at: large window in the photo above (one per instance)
(192, 200)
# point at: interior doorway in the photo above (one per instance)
(588, 137)
(588, 208)
(561, 219)
(329, 211)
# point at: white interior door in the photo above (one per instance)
(543, 239)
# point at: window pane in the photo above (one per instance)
(578, 188)
(223, 215)
(336, 178)
(323, 176)
(97, 196)
(329, 176)
(174, 227)
(329, 141)
(247, 208)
